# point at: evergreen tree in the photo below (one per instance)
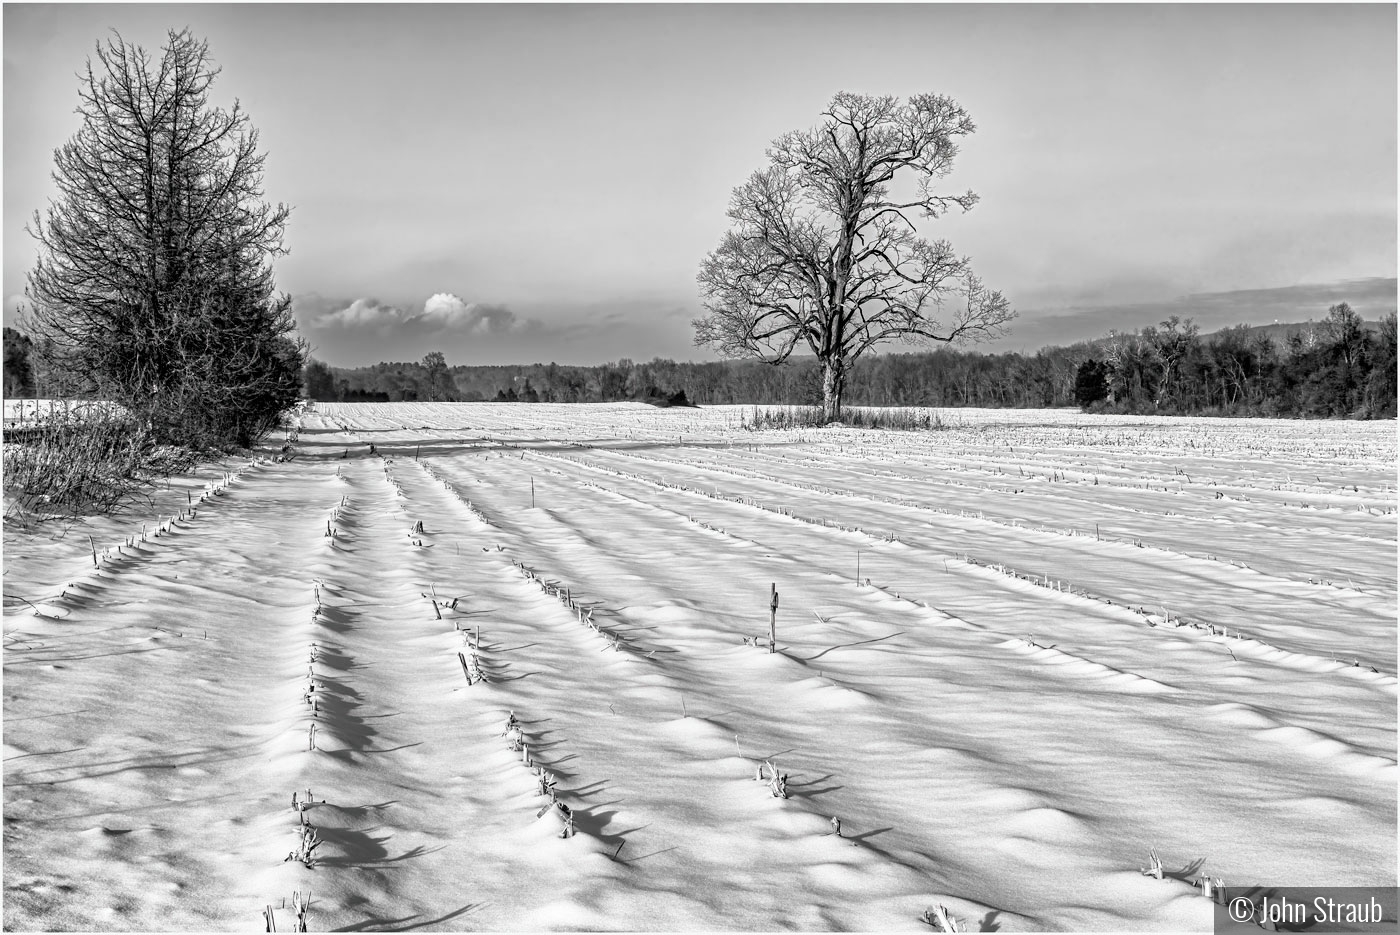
(1090, 383)
(154, 282)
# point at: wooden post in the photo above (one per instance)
(773, 620)
(532, 493)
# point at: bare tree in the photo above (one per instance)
(154, 280)
(438, 377)
(1131, 360)
(1345, 330)
(824, 256)
(1173, 344)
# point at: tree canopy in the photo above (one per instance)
(154, 282)
(824, 256)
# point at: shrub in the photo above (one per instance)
(797, 417)
(85, 458)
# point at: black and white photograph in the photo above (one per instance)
(700, 467)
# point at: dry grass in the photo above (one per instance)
(800, 417)
(82, 459)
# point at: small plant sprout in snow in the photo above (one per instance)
(1155, 868)
(306, 846)
(1212, 888)
(299, 906)
(568, 814)
(941, 919)
(777, 782)
(836, 826)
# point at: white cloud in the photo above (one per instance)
(443, 314)
(443, 308)
(446, 312)
(362, 314)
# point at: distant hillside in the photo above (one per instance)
(1280, 333)
(1371, 298)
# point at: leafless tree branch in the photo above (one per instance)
(820, 255)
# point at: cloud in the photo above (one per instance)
(443, 314)
(355, 332)
(362, 314)
(1372, 298)
(443, 308)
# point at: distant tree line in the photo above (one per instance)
(1337, 367)
(432, 379)
(1340, 366)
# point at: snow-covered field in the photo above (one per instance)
(1012, 657)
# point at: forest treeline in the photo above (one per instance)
(1340, 366)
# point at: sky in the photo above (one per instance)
(537, 182)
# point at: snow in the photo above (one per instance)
(1081, 638)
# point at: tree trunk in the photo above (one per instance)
(833, 383)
